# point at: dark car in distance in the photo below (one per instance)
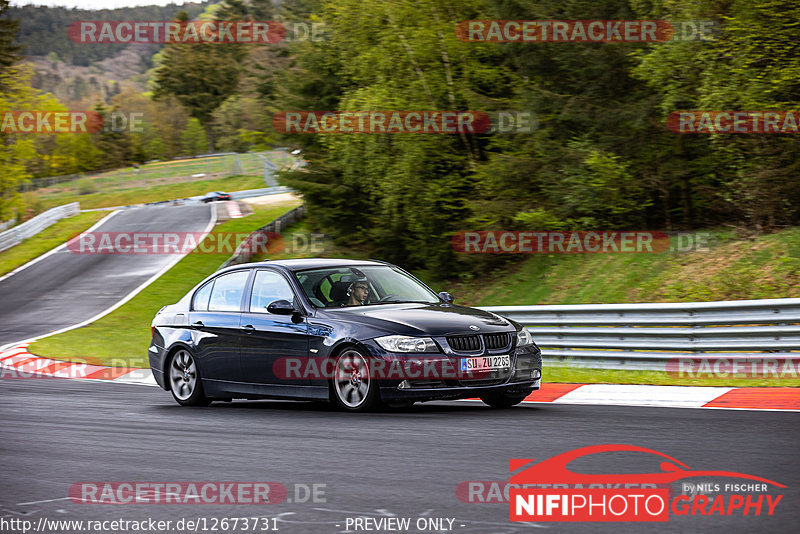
(359, 334)
(215, 196)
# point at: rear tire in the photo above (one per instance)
(352, 388)
(184, 380)
(501, 401)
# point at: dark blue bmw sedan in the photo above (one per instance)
(359, 334)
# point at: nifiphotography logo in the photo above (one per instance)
(549, 491)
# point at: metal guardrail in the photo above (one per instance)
(647, 336)
(15, 235)
(248, 193)
(244, 252)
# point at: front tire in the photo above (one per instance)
(352, 388)
(184, 380)
(501, 401)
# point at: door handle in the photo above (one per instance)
(249, 329)
(198, 323)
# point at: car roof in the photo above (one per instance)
(299, 264)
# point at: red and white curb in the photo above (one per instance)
(755, 398)
(233, 209)
(17, 362)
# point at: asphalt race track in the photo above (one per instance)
(402, 462)
(64, 288)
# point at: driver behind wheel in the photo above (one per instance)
(357, 293)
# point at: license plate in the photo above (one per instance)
(485, 363)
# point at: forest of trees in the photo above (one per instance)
(42, 29)
(600, 156)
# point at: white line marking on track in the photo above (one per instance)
(57, 249)
(44, 501)
(124, 299)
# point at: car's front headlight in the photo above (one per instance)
(524, 337)
(406, 344)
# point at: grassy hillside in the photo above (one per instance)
(734, 267)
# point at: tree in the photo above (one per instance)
(15, 150)
(18, 152)
(235, 119)
(193, 138)
(200, 76)
(115, 145)
(752, 63)
(168, 122)
(401, 195)
(8, 32)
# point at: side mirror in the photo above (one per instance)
(446, 297)
(281, 307)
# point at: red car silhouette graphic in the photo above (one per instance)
(554, 470)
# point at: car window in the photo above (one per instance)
(386, 284)
(268, 287)
(227, 292)
(394, 285)
(200, 302)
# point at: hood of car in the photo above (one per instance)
(429, 319)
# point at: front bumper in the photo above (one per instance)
(523, 377)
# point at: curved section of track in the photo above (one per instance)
(65, 289)
(403, 462)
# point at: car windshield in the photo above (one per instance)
(335, 287)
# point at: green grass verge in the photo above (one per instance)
(136, 196)
(173, 169)
(574, 375)
(121, 338)
(184, 167)
(734, 268)
(47, 239)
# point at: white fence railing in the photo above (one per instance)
(15, 235)
(647, 336)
